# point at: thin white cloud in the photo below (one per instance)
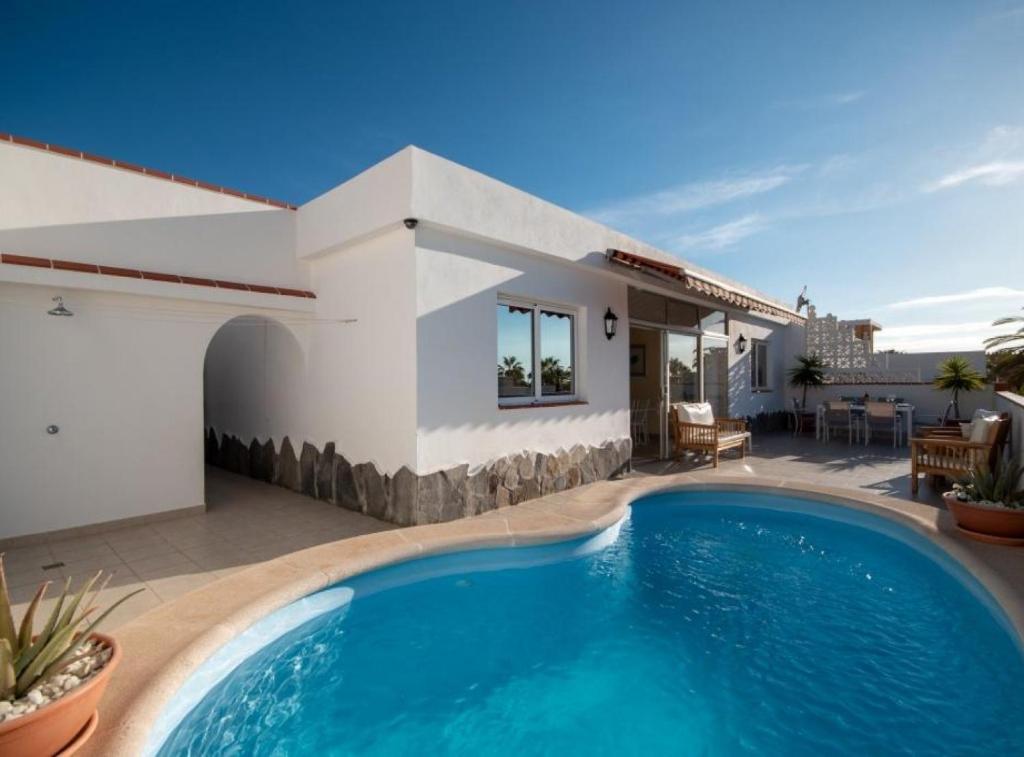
(832, 100)
(936, 337)
(982, 294)
(845, 98)
(723, 235)
(1009, 14)
(686, 198)
(996, 162)
(836, 164)
(994, 174)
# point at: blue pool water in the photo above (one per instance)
(716, 624)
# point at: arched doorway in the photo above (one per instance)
(253, 381)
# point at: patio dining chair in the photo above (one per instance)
(882, 418)
(801, 418)
(840, 417)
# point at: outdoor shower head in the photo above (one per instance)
(59, 309)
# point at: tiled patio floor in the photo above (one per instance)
(246, 522)
(249, 522)
(878, 468)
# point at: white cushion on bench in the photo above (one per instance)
(696, 412)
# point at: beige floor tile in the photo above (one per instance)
(73, 551)
(163, 566)
(175, 586)
(131, 551)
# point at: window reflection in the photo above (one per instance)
(716, 375)
(556, 348)
(682, 368)
(515, 351)
(712, 321)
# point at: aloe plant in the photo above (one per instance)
(28, 658)
(1000, 487)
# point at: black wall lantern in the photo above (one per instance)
(741, 345)
(611, 323)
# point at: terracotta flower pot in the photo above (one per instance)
(62, 726)
(1000, 525)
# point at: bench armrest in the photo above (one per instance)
(939, 441)
(940, 431)
(732, 424)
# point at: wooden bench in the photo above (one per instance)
(707, 438)
(942, 451)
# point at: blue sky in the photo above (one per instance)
(873, 151)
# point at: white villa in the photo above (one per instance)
(345, 348)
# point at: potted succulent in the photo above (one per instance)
(989, 505)
(52, 679)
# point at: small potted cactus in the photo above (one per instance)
(988, 505)
(51, 679)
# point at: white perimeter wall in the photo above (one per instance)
(929, 403)
(459, 280)
(54, 206)
(317, 380)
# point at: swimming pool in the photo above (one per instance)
(707, 622)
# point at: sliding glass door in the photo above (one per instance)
(683, 368)
(681, 378)
(715, 374)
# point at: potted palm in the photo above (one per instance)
(809, 371)
(956, 375)
(52, 679)
(988, 505)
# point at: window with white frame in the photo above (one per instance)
(536, 351)
(759, 365)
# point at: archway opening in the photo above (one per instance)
(252, 377)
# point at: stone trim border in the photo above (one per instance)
(164, 646)
(407, 498)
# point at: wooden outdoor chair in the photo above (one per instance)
(942, 451)
(709, 438)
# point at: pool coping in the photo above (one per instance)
(166, 644)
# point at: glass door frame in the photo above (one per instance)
(664, 442)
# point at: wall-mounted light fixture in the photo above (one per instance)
(741, 344)
(611, 323)
(59, 309)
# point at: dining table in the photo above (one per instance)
(904, 409)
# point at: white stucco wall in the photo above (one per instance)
(54, 206)
(743, 401)
(410, 382)
(316, 379)
(123, 381)
(376, 199)
(458, 420)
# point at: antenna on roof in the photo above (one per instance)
(801, 299)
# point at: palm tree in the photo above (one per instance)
(809, 371)
(512, 369)
(552, 372)
(956, 375)
(1008, 361)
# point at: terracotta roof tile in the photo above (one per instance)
(131, 273)
(155, 173)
